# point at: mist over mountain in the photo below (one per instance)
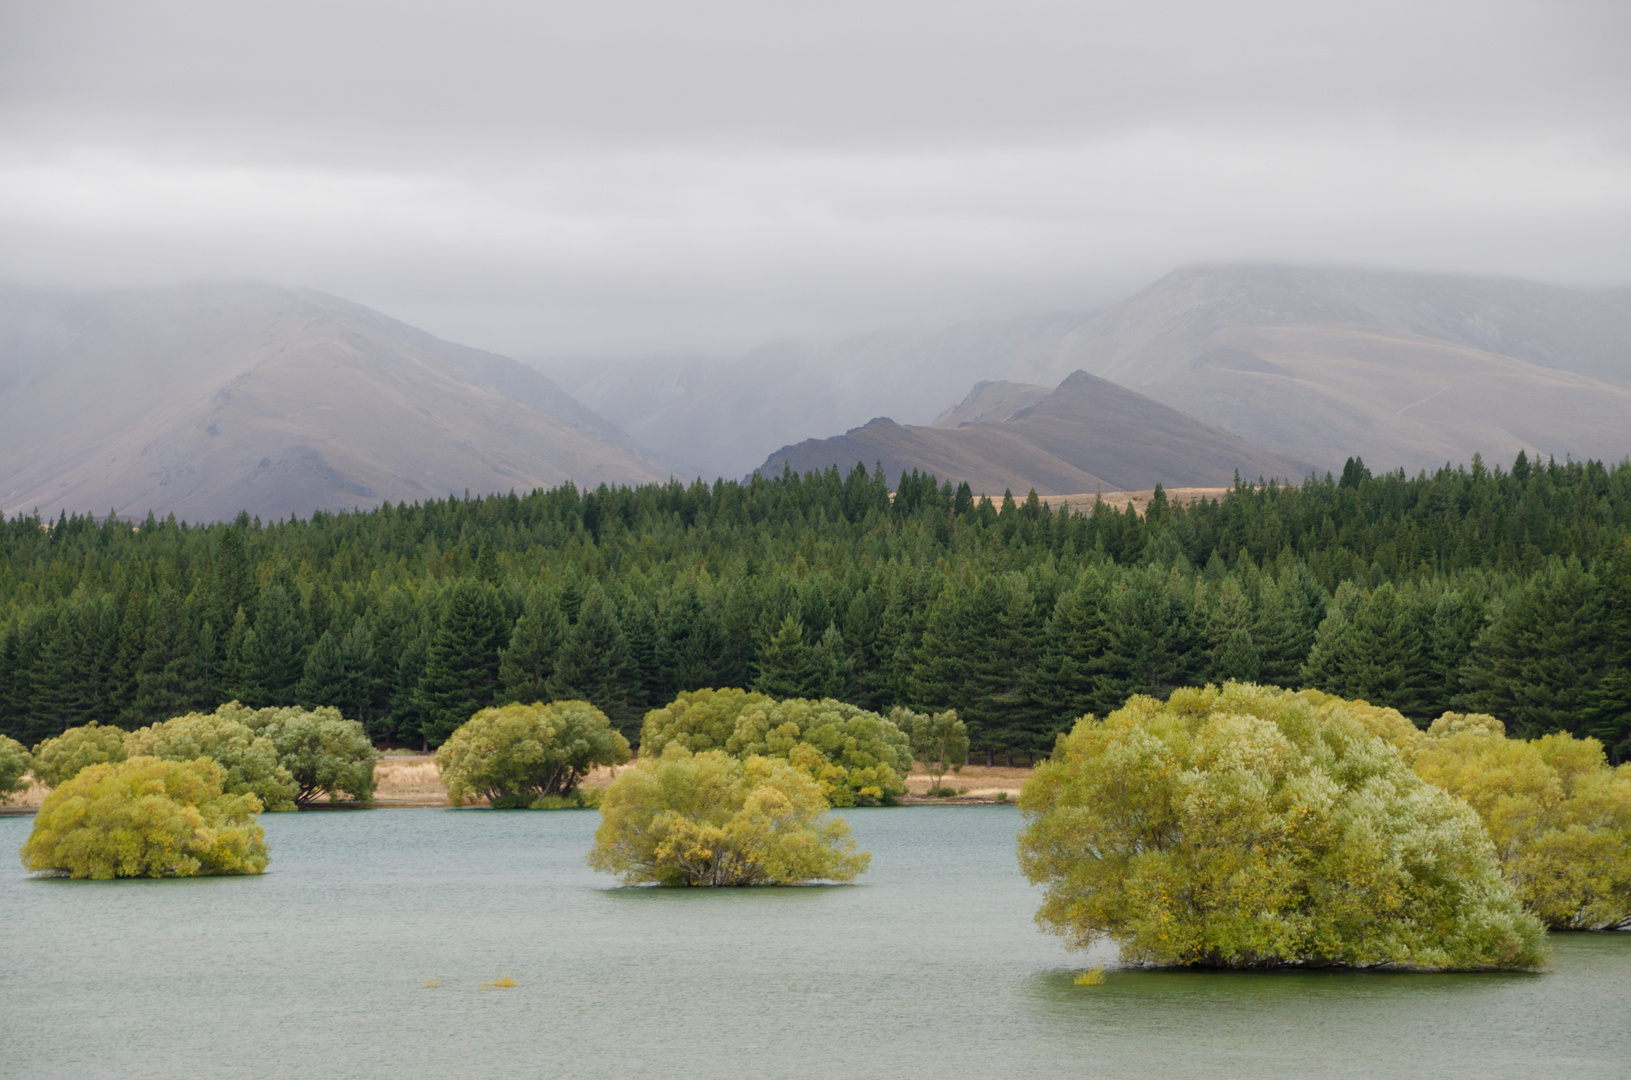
(720, 416)
(1406, 370)
(1087, 435)
(207, 400)
(1309, 365)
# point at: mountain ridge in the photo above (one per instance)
(204, 400)
(1087, 434)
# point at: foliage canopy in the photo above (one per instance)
(856, 757)
(322, 751)
(1465, 589)
(939, 740)
(712, 819)
(250, 761)
(1559, 816)
(58, 760)
(145, 817)
(516, 754)
(14, 767)
(1248, 827)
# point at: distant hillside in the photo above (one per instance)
(1406, 370)
(991, 403)
(1087, 435)
(204, 401)
(720, 416)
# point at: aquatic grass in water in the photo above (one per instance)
(503, 982)
(1091, 977)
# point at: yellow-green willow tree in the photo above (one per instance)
(14, 765)
(1249, 827)
(856, 757)
(58, 760)
(145, 817)
(1559, 816)
(250, 761)
(711, 819)
(518, 754)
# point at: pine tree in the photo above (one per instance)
(648, 687)
(692, 648)
(1538, 665)
(1606, 707)
(406, 723)
(1324, 667)
(280, 646)
(461, 665)
(785, 667)
(167, 678)
(357, 657)
(1233, 651)
(239, 675)
(593, 664)
(832, 670)
(324, 680)
(1063, 681)
(1151, 645)
(525, 666)
(233, 588)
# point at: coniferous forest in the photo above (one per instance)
(1507, 592)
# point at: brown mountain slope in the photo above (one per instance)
(201, 402)
(991, 403)
(1404, 369)
(1087, 435)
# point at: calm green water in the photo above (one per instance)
(932, 967)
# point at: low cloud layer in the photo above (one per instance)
(647, 176)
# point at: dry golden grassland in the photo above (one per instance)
(414, 780)
(29, 799)
(1140, 499)
(982, 782)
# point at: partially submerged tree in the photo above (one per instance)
(856, 757)
(14, 765)
(58, 760)
(939, 741)
(145, 817)
(324, 753)
(250, 761)
(710, 819)
(517, 754)
(698, 720)
(1248, 827)
(1559, 816)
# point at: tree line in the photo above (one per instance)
(1501, 591)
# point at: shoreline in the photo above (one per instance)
(413, 782)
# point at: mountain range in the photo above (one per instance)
(1086, 435)
(203, 401)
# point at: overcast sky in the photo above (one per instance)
(656, 175)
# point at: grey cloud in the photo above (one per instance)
(656, 175)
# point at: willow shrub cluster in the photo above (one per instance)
(1468, 589)
(1252, 827)
(14, 767)
(1558, 815)
(146, 817)
(284, 757)
(855, 757)
(528, 755)
(713, 819)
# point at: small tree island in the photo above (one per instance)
(528, 755)
(146, 817)
(1256, 827)
(712, 819)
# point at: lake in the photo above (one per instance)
(929, 966)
